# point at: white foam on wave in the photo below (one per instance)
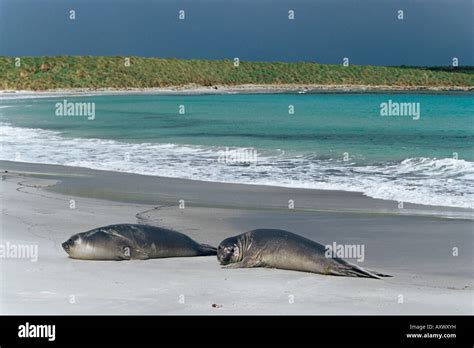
(429, 181)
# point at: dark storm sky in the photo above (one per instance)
(325, 31)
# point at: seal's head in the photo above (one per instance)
(71, 243)
(97, 245)
(229, 251)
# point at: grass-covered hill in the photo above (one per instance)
(62, 72)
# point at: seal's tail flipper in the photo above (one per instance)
(382, 275)
(352, 270)
(207, 250)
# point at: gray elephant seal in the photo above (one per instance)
(284, 250)
(130, 241)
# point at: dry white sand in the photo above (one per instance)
(192, 89)
(429, 278)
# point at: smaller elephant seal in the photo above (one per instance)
(285, 250)
(131, 241)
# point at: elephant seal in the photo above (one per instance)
(132, 241)
(285, 250)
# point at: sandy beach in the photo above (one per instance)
(413, 244)
(193, 89)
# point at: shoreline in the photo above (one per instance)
(36, 210)
(239, 89)
(80, 181)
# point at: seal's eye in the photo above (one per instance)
(231, 249)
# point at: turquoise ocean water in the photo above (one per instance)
(331, 141)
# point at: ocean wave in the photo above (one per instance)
(429, 181)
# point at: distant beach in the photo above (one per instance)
(192, 89)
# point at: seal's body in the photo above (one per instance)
(285, 250)
(131, 241)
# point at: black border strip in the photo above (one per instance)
(221, 331)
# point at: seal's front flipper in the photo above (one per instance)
(233, 265)
(245, 263)
(129, 253)
(126, 253)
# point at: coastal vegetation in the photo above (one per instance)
(88, 72)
